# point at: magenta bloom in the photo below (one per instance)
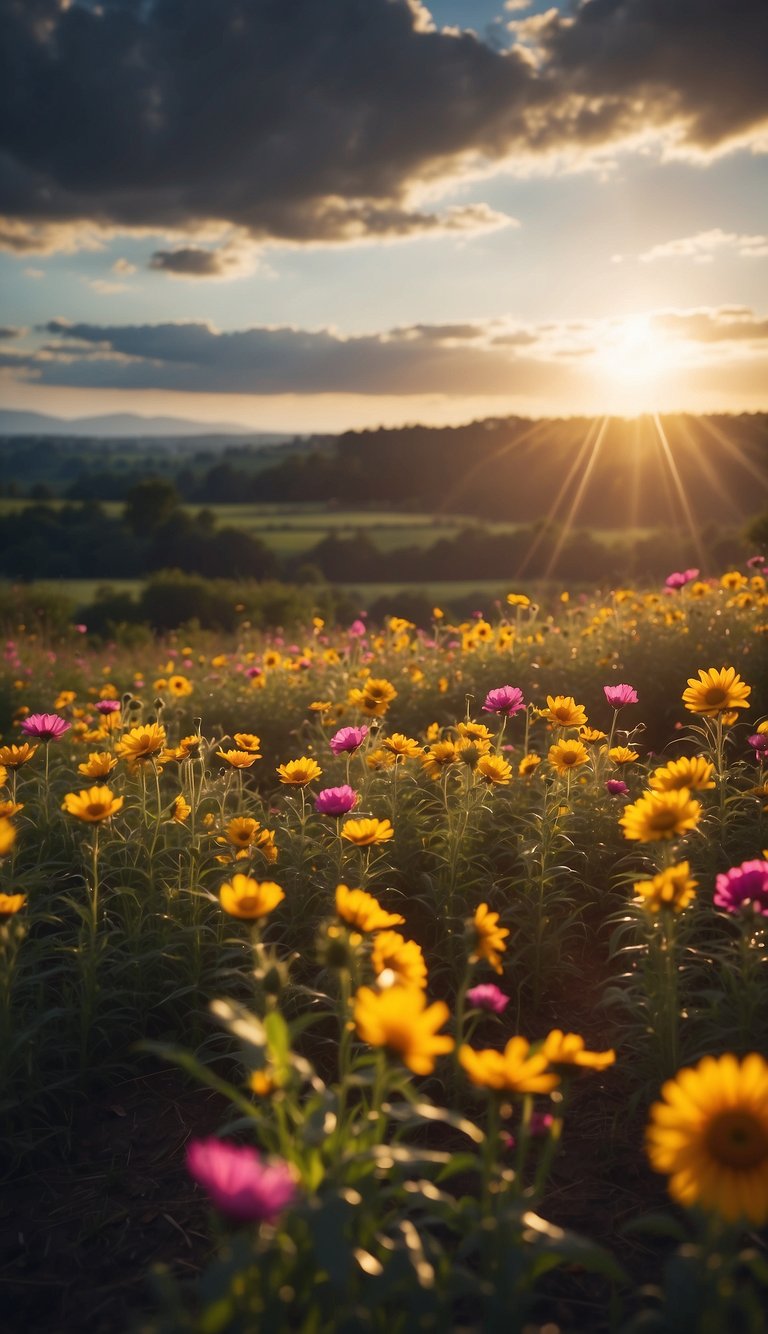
(680, 578)
(759, 741)
(336, 800)
(487, 996)
(504, 699)
(539, 1124)
(744, 889)
(357, 629)
(618, 696)
(108, 706)
(240, 1183)
(45, 726)
(348, 738)
(616, 787)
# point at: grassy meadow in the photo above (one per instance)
(368, 977)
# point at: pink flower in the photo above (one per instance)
(240, 1183)
(759, 741)
(108, 706)
(504, 699)
(45, 726)
(487, 996)
(357, 629)
(618, 696)
(539, 1124)
(755, 561)
(680, 578)
(253, 671)
(336, 800)
(616, 788)
(744, 889)
(82, 629)
(348, 738)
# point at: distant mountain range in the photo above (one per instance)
(124, 424)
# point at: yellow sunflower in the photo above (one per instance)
(692, 771)
(495, 770)
(513, 1070)
(11, 903)
(570, 1049)
(400, 1020)
(399, 958)
(14, 756)
(709, 1135)
(489, 937)
(362, 910)
(92, 804)
(563, 711)
(567, 755)
(717, 690)
(671, 890)
(142, 743)
(99, 764)
(364, 833)
(244, 897)
(656, 816)
(298, 773)
(237, 759)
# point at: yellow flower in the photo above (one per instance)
(489, 937)
(92, 804)
(401, 746)
(241, 831)
(380, 759)
(569, 1049)
(10, 808)
(528, 765)
(266, 845)
(401, 958)
(567, 755)
(673, 889)
(733, 580)
(494, 770)
(692, 771)
(440, 755)
(709, 1135)
(14, 756)
(3, 774)
(363, 833)
(100, 764)
(243, 897)
(362, 910)
(591, 735)
(142, 743)
(717, 690)
(622, 755)
(237, 759)
(190, 746)
(660, 815)
(7, 836)
(563, 711)
(514, 1070)
(298, 773)
(400, 1020)
(474, 731)
(179, 686)
(11, 903)
(262, 1083)
(64, 698)
(248, 741)
(518, 600)
(180, 809)
(375, 697)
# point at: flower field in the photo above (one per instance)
(463, 930)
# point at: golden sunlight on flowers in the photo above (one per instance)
(692, 771)
(13, 757)
(99, 764)
(716, 690)
(248, 741)
(180, 809)
(709, 1135)
(11, 904)
(7, 836)
(401, 746)
(528, 765)
(494, 769)
(671, 890)
(489, 937)
(567, 755)
(299, 773)
(513, 1070)
(570, 1049)
(438, 757)
(243, 897)
(363, 833)
(374, 698)
(237, 759)
(622, 755)
(179, 686)
(400, 1020)
(360, 909)
(660, 815)
(402, 958)
(241, 831)
(92, 804)
(142, 743)
(563, 711)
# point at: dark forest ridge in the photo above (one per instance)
(122, 424)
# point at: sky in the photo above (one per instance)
(314, 215)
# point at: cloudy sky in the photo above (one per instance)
(315, 214)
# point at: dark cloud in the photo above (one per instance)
(421, 359)
(315, 122)
(194, 262)
(8, 331)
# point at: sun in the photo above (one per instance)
(635, 363)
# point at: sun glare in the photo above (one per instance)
(634, 362)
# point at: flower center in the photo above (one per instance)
(665, 819)
(715, 697)
(738, 1139)
(96, 809)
